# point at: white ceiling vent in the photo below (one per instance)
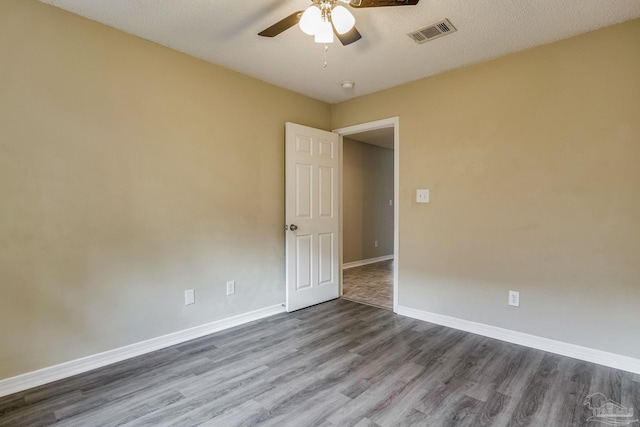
(432, 31)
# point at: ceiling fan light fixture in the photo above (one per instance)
(324, 33)
(310, 20)
(342, 19)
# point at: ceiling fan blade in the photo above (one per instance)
(282, 25)
(380, 3)
(349, 37)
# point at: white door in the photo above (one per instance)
(311, 216)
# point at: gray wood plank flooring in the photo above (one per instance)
(334, 364)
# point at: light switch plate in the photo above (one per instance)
(422, 196)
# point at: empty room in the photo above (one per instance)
(189, 189)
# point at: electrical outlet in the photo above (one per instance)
(390, 202)
(514, 298)
(189, 297)
(422, 196)
(375, 243)
(231, 287)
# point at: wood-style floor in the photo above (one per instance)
(370, 284)
(334, 364)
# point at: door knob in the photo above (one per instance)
(293, 227)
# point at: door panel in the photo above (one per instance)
(304, 191)
(325, 242)
(303, 262)
(325, 191)
(312, 207)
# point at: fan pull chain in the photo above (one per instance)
(326, 49)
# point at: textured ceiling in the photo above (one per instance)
(225, 32)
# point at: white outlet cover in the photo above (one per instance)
(514, 298)
(422, 196)
(189, 297)
(231, 287)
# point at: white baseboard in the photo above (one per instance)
(587, 354)
(366, 261)
(85, 364)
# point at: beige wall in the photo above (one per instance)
(367, 187)
(129, 173)
(533, 161)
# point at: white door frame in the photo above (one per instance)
(350, 130)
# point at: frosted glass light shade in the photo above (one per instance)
(310, 20)
(342, 19)
(324, 33)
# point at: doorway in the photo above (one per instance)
(369, 212)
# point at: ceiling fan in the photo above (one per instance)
(325, 17)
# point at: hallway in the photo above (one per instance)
(370, 284)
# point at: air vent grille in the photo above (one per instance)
(432, 31)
